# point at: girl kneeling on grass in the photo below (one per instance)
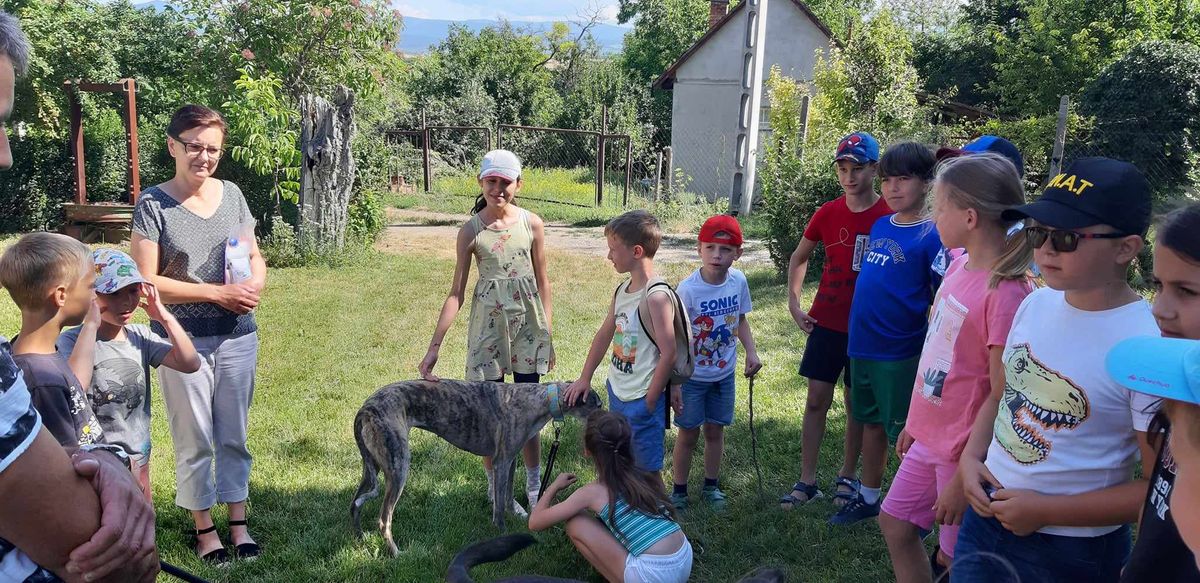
(636, 538)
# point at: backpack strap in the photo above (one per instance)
(645, 301)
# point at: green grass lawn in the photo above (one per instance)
(331, 337)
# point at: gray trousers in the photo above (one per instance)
(208, 412)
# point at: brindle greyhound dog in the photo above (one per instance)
(484, 418)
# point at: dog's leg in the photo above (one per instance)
(395, 470)
(502, 496)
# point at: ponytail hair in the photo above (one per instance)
(480, 204)
(989, 184)
(609, 439)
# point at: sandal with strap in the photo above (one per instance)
(216, 558)
(245, 551)
(843, 497)
(789, 501)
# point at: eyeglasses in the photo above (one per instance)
(1063, 241)
(194, 149)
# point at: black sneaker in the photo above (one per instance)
(854, 511)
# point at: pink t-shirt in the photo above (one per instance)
(952, 376)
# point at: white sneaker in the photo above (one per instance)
(532, 495)
(518, 510)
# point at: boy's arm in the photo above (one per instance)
(82, 356)
(1025, 511)
(662, 313)
(972, 471)
(797, 269)
(753, 364)
(601, 344)
(182, 355)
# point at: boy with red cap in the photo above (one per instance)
(718, 298)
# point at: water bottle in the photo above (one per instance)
(237, 259)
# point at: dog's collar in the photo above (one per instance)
(556, 411)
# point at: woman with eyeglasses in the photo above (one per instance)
(185, 232)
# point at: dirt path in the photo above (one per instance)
(414, 230)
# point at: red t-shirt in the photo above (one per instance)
(845, 235)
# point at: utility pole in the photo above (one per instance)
(749, 108)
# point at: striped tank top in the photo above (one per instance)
(636, 530)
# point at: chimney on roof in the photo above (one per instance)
(717, 9)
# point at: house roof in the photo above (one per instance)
(667, 79)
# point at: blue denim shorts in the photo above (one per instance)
(989, 553)
(649, 428)
(707, 402)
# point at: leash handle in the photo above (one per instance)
(178, 573)
(754, 439)
(550, 457)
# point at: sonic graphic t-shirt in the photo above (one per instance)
(716, 311)
(1064, 426)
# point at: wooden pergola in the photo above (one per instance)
(106, 222)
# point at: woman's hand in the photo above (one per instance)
(427, 364)
(240, 298)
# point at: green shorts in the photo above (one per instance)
(880, 391)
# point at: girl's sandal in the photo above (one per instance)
(245, 551)
(216, 558)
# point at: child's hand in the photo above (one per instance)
(1020, 511)
(903, 443)
(951, 503)
(676, 400)
(753, 364)
(578, 388)
(427, 364)
(972, 474)
(153, 304)
(802, 319)
(562, 481)
(93, 316)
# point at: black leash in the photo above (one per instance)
(550, 460)
(178, 573)
(754, 440)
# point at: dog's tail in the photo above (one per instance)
(368, 488)
(488, 551)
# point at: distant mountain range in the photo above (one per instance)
(421, 33)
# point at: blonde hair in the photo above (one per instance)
(38, 262)
(989, 184)
(636, 228)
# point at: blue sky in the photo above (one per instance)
(512, 10)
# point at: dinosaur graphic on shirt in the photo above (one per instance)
(1035, 399)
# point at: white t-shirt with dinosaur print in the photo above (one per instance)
(1064, 426)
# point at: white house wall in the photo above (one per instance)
(706, 93)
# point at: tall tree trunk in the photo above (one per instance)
(327, 169)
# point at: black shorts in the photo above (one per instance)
(825, 356)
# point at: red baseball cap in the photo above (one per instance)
(723, 229)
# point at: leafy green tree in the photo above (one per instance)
(269, 129)
(1146, 109)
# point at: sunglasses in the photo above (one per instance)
(1063, 241)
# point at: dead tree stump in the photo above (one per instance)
(326, 170)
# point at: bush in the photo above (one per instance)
(1146, 107)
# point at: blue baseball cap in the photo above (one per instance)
(1162, 367)
(987, 143)
(860, 147)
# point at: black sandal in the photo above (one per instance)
(215, 558)
(245, 551)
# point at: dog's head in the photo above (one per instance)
(585, 406)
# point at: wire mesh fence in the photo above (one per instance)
(1172, 168)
